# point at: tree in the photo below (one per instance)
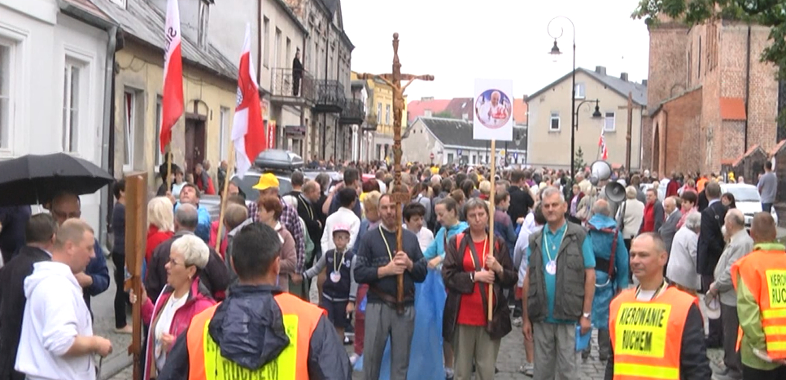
(771, 13)
(444, 115)
(578, 161)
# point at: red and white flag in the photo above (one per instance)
(172, 103)
(248, 133)
(604, 155)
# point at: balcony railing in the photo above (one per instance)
(353, 112)
(289, 88)
(330, 96)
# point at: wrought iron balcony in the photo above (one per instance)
(370, 124)
(353, 112)
(330, 96)
(287, 88)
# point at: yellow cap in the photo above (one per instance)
(266, 181)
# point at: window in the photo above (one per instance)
(379, 113)
(157, 139)
(288, 52)
(119, 3)
(387, 114)
(580, 90)
(277, 52)
(554, 122)
(224, 134)
(6, 104)
(474, 159)
(266, 42)
(129, 109)
(450, 157)
(72, 92)
(608, 123)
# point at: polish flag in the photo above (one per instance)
(172, 102)
(602, 144)
(248, 133)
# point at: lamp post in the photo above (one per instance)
(595, 115)
(555, 52)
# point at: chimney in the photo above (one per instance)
(644, 82)
(600, 70)
(204, 16)
(624, 76)
(525, 97)
(426, 98)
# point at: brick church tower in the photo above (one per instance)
(710, 98)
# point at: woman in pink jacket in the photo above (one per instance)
(182, 298)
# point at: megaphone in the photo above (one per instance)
(615, 192)
(599, 171)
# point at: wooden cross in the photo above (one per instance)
(398, 193)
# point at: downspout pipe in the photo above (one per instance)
(112, 29)
(747, 88)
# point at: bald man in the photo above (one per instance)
(759, 281)
(740, 244)
(654, 296)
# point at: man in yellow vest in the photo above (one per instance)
(760, 281)
(656, 330)
(258, 332)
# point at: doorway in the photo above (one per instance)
(195, 142)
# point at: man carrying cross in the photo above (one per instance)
(379, 261)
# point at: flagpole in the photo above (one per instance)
(224, 192)
(168, 178)
(490, 309)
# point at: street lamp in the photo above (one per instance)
(595, 115)
(555, 52)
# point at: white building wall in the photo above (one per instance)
(40, 40)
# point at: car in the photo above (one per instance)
(747, 199)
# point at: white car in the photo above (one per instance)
(747, 199)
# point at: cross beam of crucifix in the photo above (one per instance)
(399, 194)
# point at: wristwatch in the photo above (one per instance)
(586, 315)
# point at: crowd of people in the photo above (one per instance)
(287, 279)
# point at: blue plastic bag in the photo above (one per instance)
(425, 359)
(582, 341)
(362, 306)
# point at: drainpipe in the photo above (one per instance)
(259, 39)
(665, 134)
(324, 115)
(107, 143)
(747, 88)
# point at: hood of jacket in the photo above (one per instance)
(45, 269)
(601, 241)
(249, 326)
(602, 221)
(240, 227)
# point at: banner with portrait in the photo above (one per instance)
(493, 104)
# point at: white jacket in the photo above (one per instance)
(54, 315)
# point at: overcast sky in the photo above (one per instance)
(460, 40)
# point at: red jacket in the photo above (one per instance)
(672, 188)
(154, 238)
(197, 301)
(649, 218)
(214, 236)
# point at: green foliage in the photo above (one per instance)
(444, 115)
(578, 161)
(770, 13)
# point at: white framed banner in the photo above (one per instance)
(493, 110)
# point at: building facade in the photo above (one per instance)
(209, 91)
(550, 117)
(53, 84)
(710, 97)
(448, 141)
(276, 37)
(328, 58)
(378, 124)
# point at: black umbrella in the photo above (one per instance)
(34, 179)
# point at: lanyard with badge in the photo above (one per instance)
(390, 254)
(551, 266)
(335, 276)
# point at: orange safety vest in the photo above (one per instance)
(646, 335)
(764, 274)
(206, 362)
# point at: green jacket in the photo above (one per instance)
(749, 314)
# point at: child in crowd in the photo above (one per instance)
(340, 288)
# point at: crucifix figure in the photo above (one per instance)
(398, 194)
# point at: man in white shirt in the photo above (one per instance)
(347, 197)
(57, 340)
(493, 112)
